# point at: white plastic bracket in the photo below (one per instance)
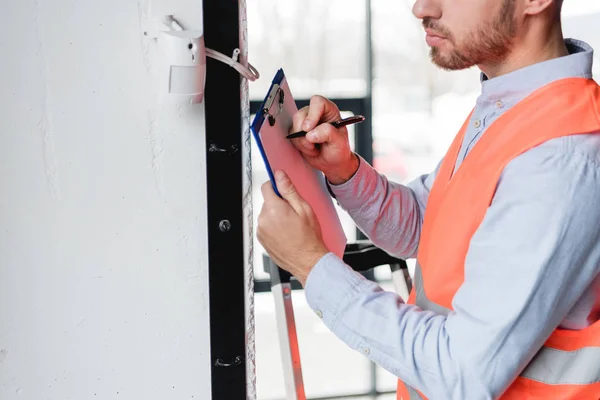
(181, 60)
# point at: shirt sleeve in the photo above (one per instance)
(388, 213)
(534, 255)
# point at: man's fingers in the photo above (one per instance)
(298, 119)
(289, 193)
(268, 193)
(301, 144)
(305, 147)
(325, 133)
(320, 110)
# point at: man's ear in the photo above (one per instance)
(533, 7)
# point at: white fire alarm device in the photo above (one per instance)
(182, 61)
(182, 67)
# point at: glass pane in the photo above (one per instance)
(320, 45)
(418, 108)
(322, 377)
(329, 367)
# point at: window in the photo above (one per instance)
(418, 108)
(324, 49)
(320, 45)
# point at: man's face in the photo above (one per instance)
(464, 33)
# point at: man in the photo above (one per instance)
(506, 230)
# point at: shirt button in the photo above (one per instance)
(366, 351)
(319, 314)
(499, 104)
(477, 123)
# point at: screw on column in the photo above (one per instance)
(213, 147)
(225, 225)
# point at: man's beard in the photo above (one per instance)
(489, 44)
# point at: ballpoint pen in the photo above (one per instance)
(336, 124)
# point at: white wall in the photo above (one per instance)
(103, 253)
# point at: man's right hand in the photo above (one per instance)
(324, 147)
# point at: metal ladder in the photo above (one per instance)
(361, 256)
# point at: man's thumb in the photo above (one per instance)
(288, 191)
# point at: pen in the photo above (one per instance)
(336, 124)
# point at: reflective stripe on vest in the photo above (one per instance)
(550, 366)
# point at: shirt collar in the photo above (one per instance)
(520, 83)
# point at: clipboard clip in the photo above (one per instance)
(276, 92)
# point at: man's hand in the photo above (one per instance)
(324, 147)
(289, 230)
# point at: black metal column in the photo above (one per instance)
(224, 197)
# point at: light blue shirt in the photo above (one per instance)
(533, 264)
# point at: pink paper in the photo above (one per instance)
(310, 183)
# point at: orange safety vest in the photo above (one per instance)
(567, 367)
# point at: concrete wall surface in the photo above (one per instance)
(103, 243)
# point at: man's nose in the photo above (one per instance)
(427, 9)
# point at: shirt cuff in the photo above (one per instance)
(350, 194)
(330, 287)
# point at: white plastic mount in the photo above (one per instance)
(182, 61)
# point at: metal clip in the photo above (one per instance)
(276, 90)
(212, 148)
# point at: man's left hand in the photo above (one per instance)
(288, 229)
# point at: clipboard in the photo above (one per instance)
(269, 129)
